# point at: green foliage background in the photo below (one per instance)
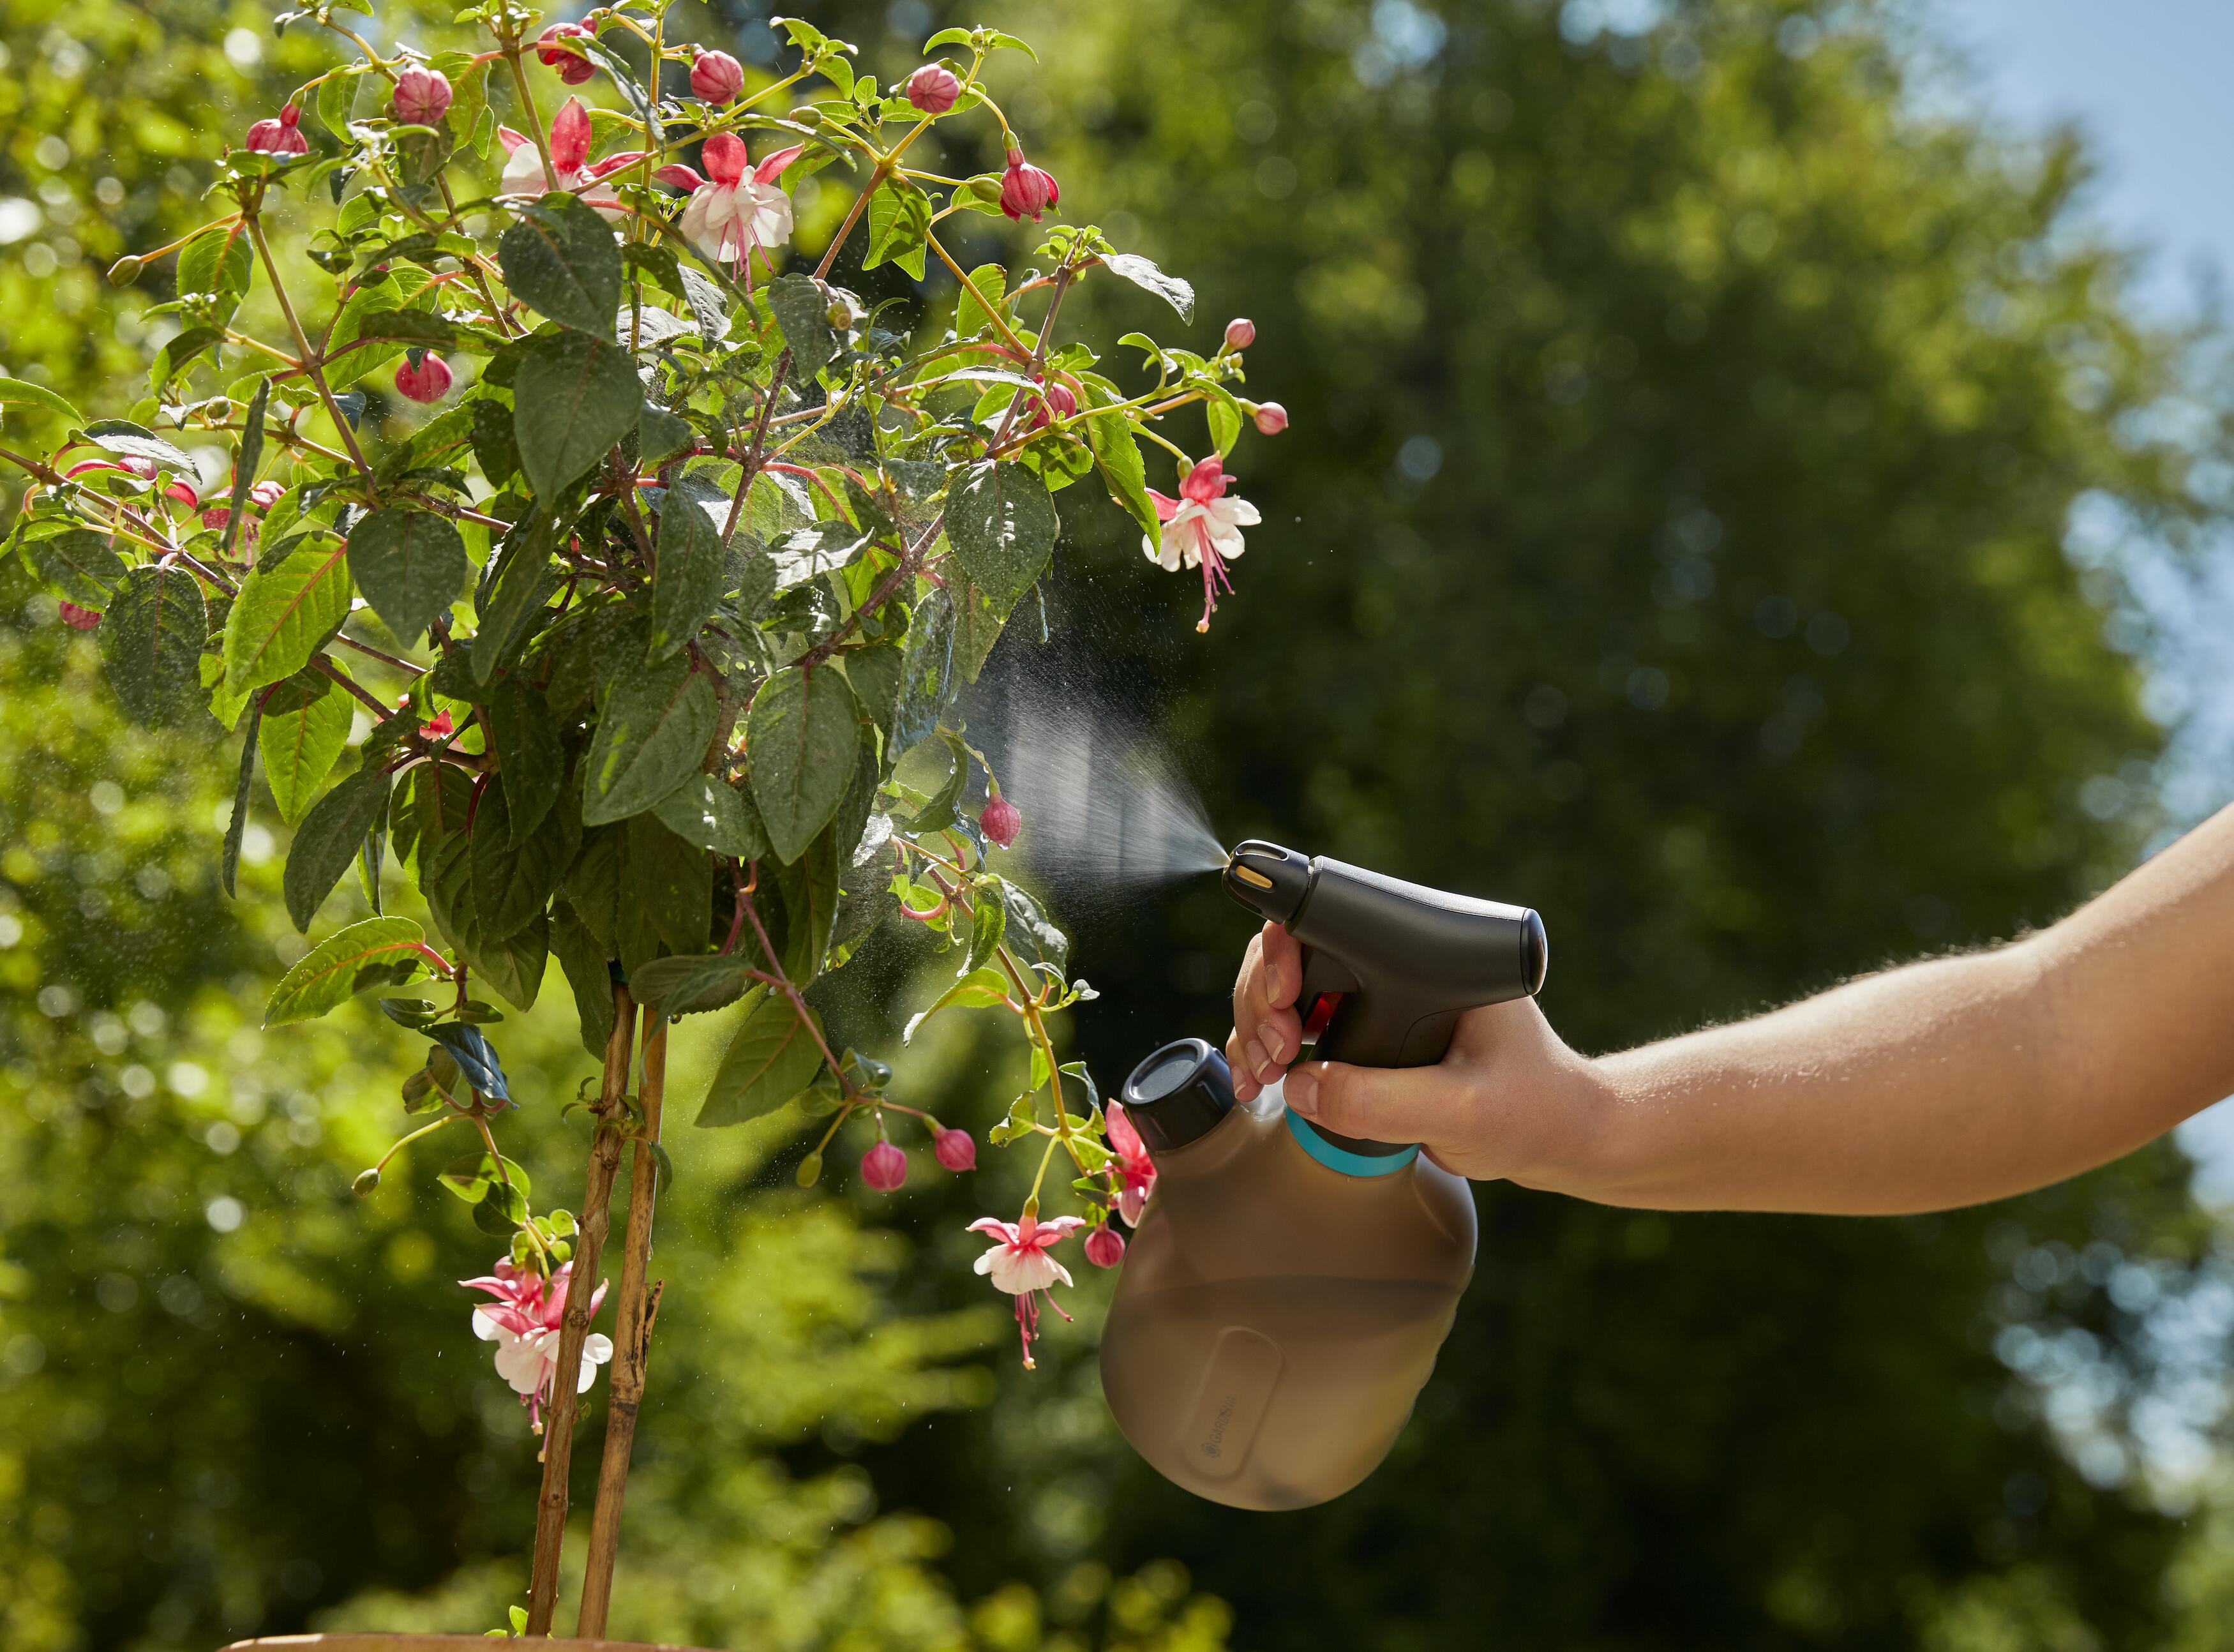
(1728, 620)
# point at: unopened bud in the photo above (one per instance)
(1271, 418)
(933, 88)
(1240, 333)
(422, 96)
(716, 77)
(126, 270)
(810, 1170)
(365, 1182)
(955, 1149)
(1000, 821)
(883, 1167)
(1105, 1247)
(429, 382)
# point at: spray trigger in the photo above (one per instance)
(1321, 1011)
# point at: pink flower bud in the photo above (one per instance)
(1026, 191)
(82, 619)
(429, 382)
(1055, 401)
(422, 96)
(1105, 1247)
(956, 1149)
(573, 67)
(933, 88)
(1000, 821)
(1240, 333)
(280, 137)
(266, 493)
(1271, 418)
(183, 493)
(883, 1167)
(716, 76)
(216, 517)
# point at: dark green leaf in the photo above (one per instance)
(691, 986)
(1002, 526)
(247, 462)
(378, 952)
(693, 569)
(513, 874)
(494, 446)
(715, 815)
(525, 579)
(411, 566)
(658, 723)
(876, 674)
(564, 260)
(327, 842)
(588, 974)
(574, 397)
(666, 891)
(802, 311)
(800, 737)
(774, 1057)
(810, 904)
(237, 827)
(525, 738)
(151, 644)
(81, 565)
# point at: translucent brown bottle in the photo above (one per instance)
(1279, 1310)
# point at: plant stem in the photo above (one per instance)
(631, 1343)
(581, 1285)
(311, 361)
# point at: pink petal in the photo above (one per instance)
(680, 176)
(570, 136)
(993, 1225)
(767, 170)
(510, 139)
(1205, 481)
(614, 163)
(1166, 507)
(725, 157)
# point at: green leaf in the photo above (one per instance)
(691, 986)
(810, 906)
(136, 441)
(236, 828)
(802, 311)
(982, 300)
(218, 265)
(34, 396)
(1003, 525)
(1144, 274)
(247, 461)
(986, 929)
(666, 893)
(1224, 415)
(305, 724)
(588, 973)
(151, 644)
(773, 1056)
(283, 614)
(564, 260)
(525, 737)
(977, 622)
(658, 721)
(975, 989)
(693, 569)
(900, 224)
(378, 952)
(573, 398)
(514, 966)
(713, 814)
(81, 564)
(927, 682)
(328, 840)
(876, 674)
(1115, 449)
(411, 566)
(800, 737)
(512, 879)
(524, 580)
(493, 444)
(370, 312)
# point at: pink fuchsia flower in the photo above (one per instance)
(80, 619)
(955, 1149)
(1240, 333)
(427, 382)
(266, 493)
(1105, 1247)
(883, 1167)
(1271, 418)
(422, 96)
(524, 173)
(524, 1321)
(736, 210)
(574, 65)
(1202, 528)
(280, 137)
(1055, 400)
(933, 88)
(1000, 821)
(1026, 191)
(716, 77)
(1136, 1171)
(1020, 1264)
(440, 727)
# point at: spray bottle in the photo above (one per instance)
(1283, 1300)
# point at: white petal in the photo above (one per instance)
(523, 172)
(596, 1350)
(486, 1328)
(1238, 511)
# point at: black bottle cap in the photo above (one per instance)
(1178, 1095)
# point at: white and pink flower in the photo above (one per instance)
(1201, 529)
(1136, 1170)
(525, 1324)
(1020, 1264)
(525, 174)
(734, 210)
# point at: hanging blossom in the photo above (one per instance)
(733, 210)
(524, 1323)
(1133, 1165)
(1202, 528)
(1020, 1264)
(523, 173)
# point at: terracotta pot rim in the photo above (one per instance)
(378, 1640)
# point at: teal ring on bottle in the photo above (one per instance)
(1341, 1158)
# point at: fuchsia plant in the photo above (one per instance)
(687, 550)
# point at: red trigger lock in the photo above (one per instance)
(1323, 1010)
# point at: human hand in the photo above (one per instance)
(1509, 1099)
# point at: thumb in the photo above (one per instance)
(1370, 1103)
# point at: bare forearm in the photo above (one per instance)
(1948, 1083)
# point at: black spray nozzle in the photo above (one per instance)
(1178, 1095)
(1396, 962)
